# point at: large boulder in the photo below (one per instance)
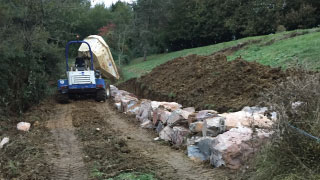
(233, 148)
(213, 126)
(144, 111)
(195, 154)
(179, 135)
(204, 114)
(128, 101)
(204, 145)
(164, 116)
(134, 110)
(170, 106)
(247, 119)
(196, 127)
(174, 118)
(166, 133)
(147, 124)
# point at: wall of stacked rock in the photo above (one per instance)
(228, 139)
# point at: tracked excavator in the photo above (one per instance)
(93, 63)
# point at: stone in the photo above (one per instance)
(127, 102)
(23, 126)
(193, 140)
(118, 95)
(144, 111)
(113, 90)
(156, 115)
(118, 106)
(159, 127)
(234, 147)
(196, 127)
(255, 109)
(164, 116)
(4, 141)
(204, 145)
(243, 118)
(166, 133)
(195, 154)
(173, 118)
(189, 109)
(180, 134)
(134, 110)
(192, 118)
(202, 115)
(213, 126)
(147, 124)
(171, 106)
(185, 114)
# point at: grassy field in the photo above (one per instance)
(275, 49)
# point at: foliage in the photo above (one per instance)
(292, 154)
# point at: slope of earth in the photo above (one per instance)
(278, 50)
(207, 82)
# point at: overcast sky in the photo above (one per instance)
(106, 2)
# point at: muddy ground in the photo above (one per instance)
(207, 82)
(64, 143)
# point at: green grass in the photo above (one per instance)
(302, 49)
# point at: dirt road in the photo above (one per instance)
(65, 153)
(81, 151)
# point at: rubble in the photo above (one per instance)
(23, 126)
(4, 141)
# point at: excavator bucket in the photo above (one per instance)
(102, 57)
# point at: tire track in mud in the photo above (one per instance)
(65, 153)
(170, 164)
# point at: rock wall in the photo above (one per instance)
(223, 139)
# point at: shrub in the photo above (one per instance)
(292, 154)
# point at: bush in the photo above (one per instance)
(293, 154)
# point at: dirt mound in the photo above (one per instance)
(207, 82)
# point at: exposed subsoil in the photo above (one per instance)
(207, 82)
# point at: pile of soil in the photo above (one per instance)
(207, 82)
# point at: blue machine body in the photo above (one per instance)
(64, 85)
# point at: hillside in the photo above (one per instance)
(300, 47)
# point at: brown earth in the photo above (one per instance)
(207, 82)
(64, 143)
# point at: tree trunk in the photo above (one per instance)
(145, 55)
